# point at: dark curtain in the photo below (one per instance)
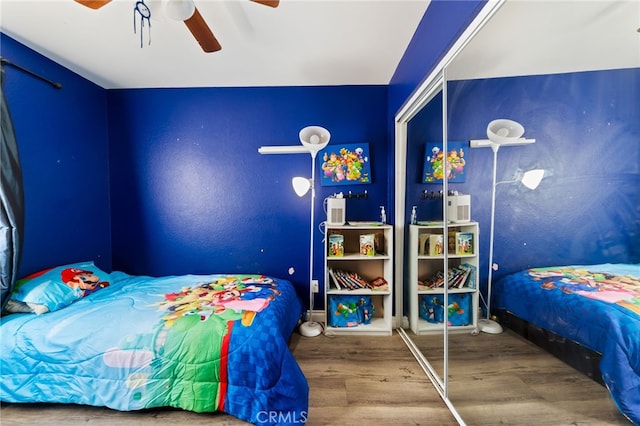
(11, 200)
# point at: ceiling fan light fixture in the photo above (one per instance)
(179, 10)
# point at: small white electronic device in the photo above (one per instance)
(336, 210)
(459, 208)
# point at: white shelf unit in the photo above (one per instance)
(369, 268)
(423, 265)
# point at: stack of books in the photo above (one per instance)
(343, 280)
(458, 277)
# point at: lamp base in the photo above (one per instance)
(310, 329)
(489, 326)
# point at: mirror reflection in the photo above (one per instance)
(571, 78)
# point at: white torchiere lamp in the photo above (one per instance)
(502, 132)
(313, 139)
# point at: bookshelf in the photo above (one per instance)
(426, 270)
(348, 254)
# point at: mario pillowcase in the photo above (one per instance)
(55, 288)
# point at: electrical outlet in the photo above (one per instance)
(315, 286)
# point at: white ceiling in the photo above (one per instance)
(551, 36)
(299, 43)
(316, 42)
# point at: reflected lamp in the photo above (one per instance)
(502, 132)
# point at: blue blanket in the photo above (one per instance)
(597, 306)
(196, 342)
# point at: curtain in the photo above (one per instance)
(11, 201)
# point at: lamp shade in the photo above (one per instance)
(532, 178)
(301, 185)
(180, 10)
(504, 131)
(314, 138)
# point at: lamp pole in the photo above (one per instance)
(494, 147)
(487, 324)
(313, 204)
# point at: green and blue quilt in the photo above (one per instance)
(197, 342)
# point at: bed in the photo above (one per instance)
(594, 306)
(201, 343)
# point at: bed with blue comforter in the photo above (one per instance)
(597, 306)
(197, 342)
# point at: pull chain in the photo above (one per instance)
(145, 14)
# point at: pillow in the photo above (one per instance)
(55, 288)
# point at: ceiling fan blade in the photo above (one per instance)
(270, 3)
(202, 33)
(93, 4)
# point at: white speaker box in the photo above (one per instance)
(336, 211)
(459, 208)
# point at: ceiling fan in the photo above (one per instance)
(186, 11)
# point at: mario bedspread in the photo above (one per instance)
(597, 306)
(196, 342)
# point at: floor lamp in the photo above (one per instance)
(313, 139)
(501, 132)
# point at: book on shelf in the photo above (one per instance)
(460, 277)
(436, 245)
(457, 277)
(435, 281)
(451, 244)
(345, 280)
(336, 245)
(464, 242)
(335, 281)
(379, 284)
(367, 244)
(470, 280)
(423, 244)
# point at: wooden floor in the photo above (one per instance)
(496, 380)
(506, 380)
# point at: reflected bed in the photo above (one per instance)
(594, 306)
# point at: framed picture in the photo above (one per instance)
(433, 171)
(345, 164)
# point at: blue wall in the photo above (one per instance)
(63, 146)
(587, 131)
(191, 194)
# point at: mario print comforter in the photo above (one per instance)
(597, 306)
(196, 342)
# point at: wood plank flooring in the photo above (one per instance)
(358, 380)
(506, 380)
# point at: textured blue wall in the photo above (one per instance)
(191, 194)
(62, 141)
(587, 131)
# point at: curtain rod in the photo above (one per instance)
(4, 61)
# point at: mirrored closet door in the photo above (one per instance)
(474, 81)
